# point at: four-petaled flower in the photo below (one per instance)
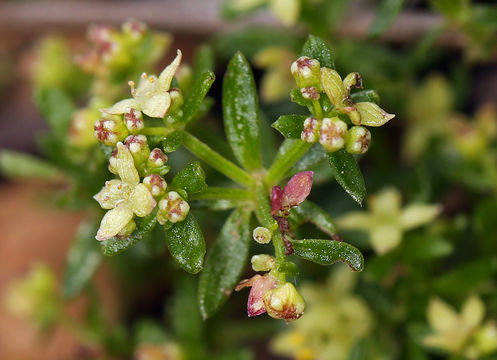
(124, 198)
(152, 95)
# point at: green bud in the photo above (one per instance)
(172, 208)
(113, 162)
(138, 147)
(352, 80)
(486, 339)
(263, 262)
(332, 134)
(357, 140)
(310, 133)
(133, 120)
(110, 130)
(353, 114)
(176, 99)
(333, 87)
(126, 230)
(372, 114)
(262, 235)
(284, 302)
(156, 159)
(306, 72)
(156, 184)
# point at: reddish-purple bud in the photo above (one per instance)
(260, 285)
(276, 199)
(297, 189)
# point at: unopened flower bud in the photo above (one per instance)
(262, 235)
(110, 130)
(127, 230)
(352, 80)
(176, 99)
(357, 140)
(486, 338)
(353, 114)
(113, 162)
(172, 208)
(332, 134)
(138, 146)
(306, 72)
(263, 262)
(310, 93)
(296, 190)
(284, 302)
(133, 120)
(372, 114)
(135, 29)
(333, 86)
(156, 159)
(156, 184)
(310, 133)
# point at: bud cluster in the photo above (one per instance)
(172, 208)
(331, 131)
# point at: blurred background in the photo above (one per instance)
(434, 64)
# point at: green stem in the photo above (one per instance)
(161, 131)
(284, 161)
(217, 161)
(219, 193)
(263, 209)
(318, 110)
(279, 247)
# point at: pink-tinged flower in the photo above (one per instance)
(260, 286)
(296, 191)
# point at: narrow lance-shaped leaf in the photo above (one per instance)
(224, 263)
(290, 126)
(18, 165)
(191, 178)
(327, 252)
(347, 173)
(144, 226)
(196, 95)
(186, 244)
(57, 109)
(241, 112)
(203, 61)
(316, 48)
(308, 211)
(82, 260)
(388, 11)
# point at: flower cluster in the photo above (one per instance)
(331, 130)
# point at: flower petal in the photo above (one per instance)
(166, 76)
(126, 166)
(142, 201)
(441, 316)
(276, 199)
(297, 189)
(386, 202)
(114, 221)
(286, 11)
(113, 192)
(418, 214)
(121, 106)
(473, 312)
(372, 114)
(157, 105)
(385, 238)
(356, 220)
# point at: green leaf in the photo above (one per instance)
(425, 247)
(347, 173)
(316, 48)
(191, 178)
(225, 263)
(17, 165)
(241, 112)
(366, 96)
(310, 160)
(388, 11)
(327, 252)
(186, 244)
(467, 277)
(56, 108)
(172, 142)
(196, 95)
(308, 211)
(290, 126)
(82, 261)
(203, 61)
(144, 226)
(297, 98)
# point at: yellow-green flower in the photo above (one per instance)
(124, 198)
(335, 319)
(286, 11)
(386, 221)
(461, 333)
(152, 95)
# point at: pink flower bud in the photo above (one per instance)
(156, 159)
(133, 120)
(297, 189)
(138, 146)
(310, 132)
(260, 285)
(276, 199)
(156, 184)
(110, 130)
